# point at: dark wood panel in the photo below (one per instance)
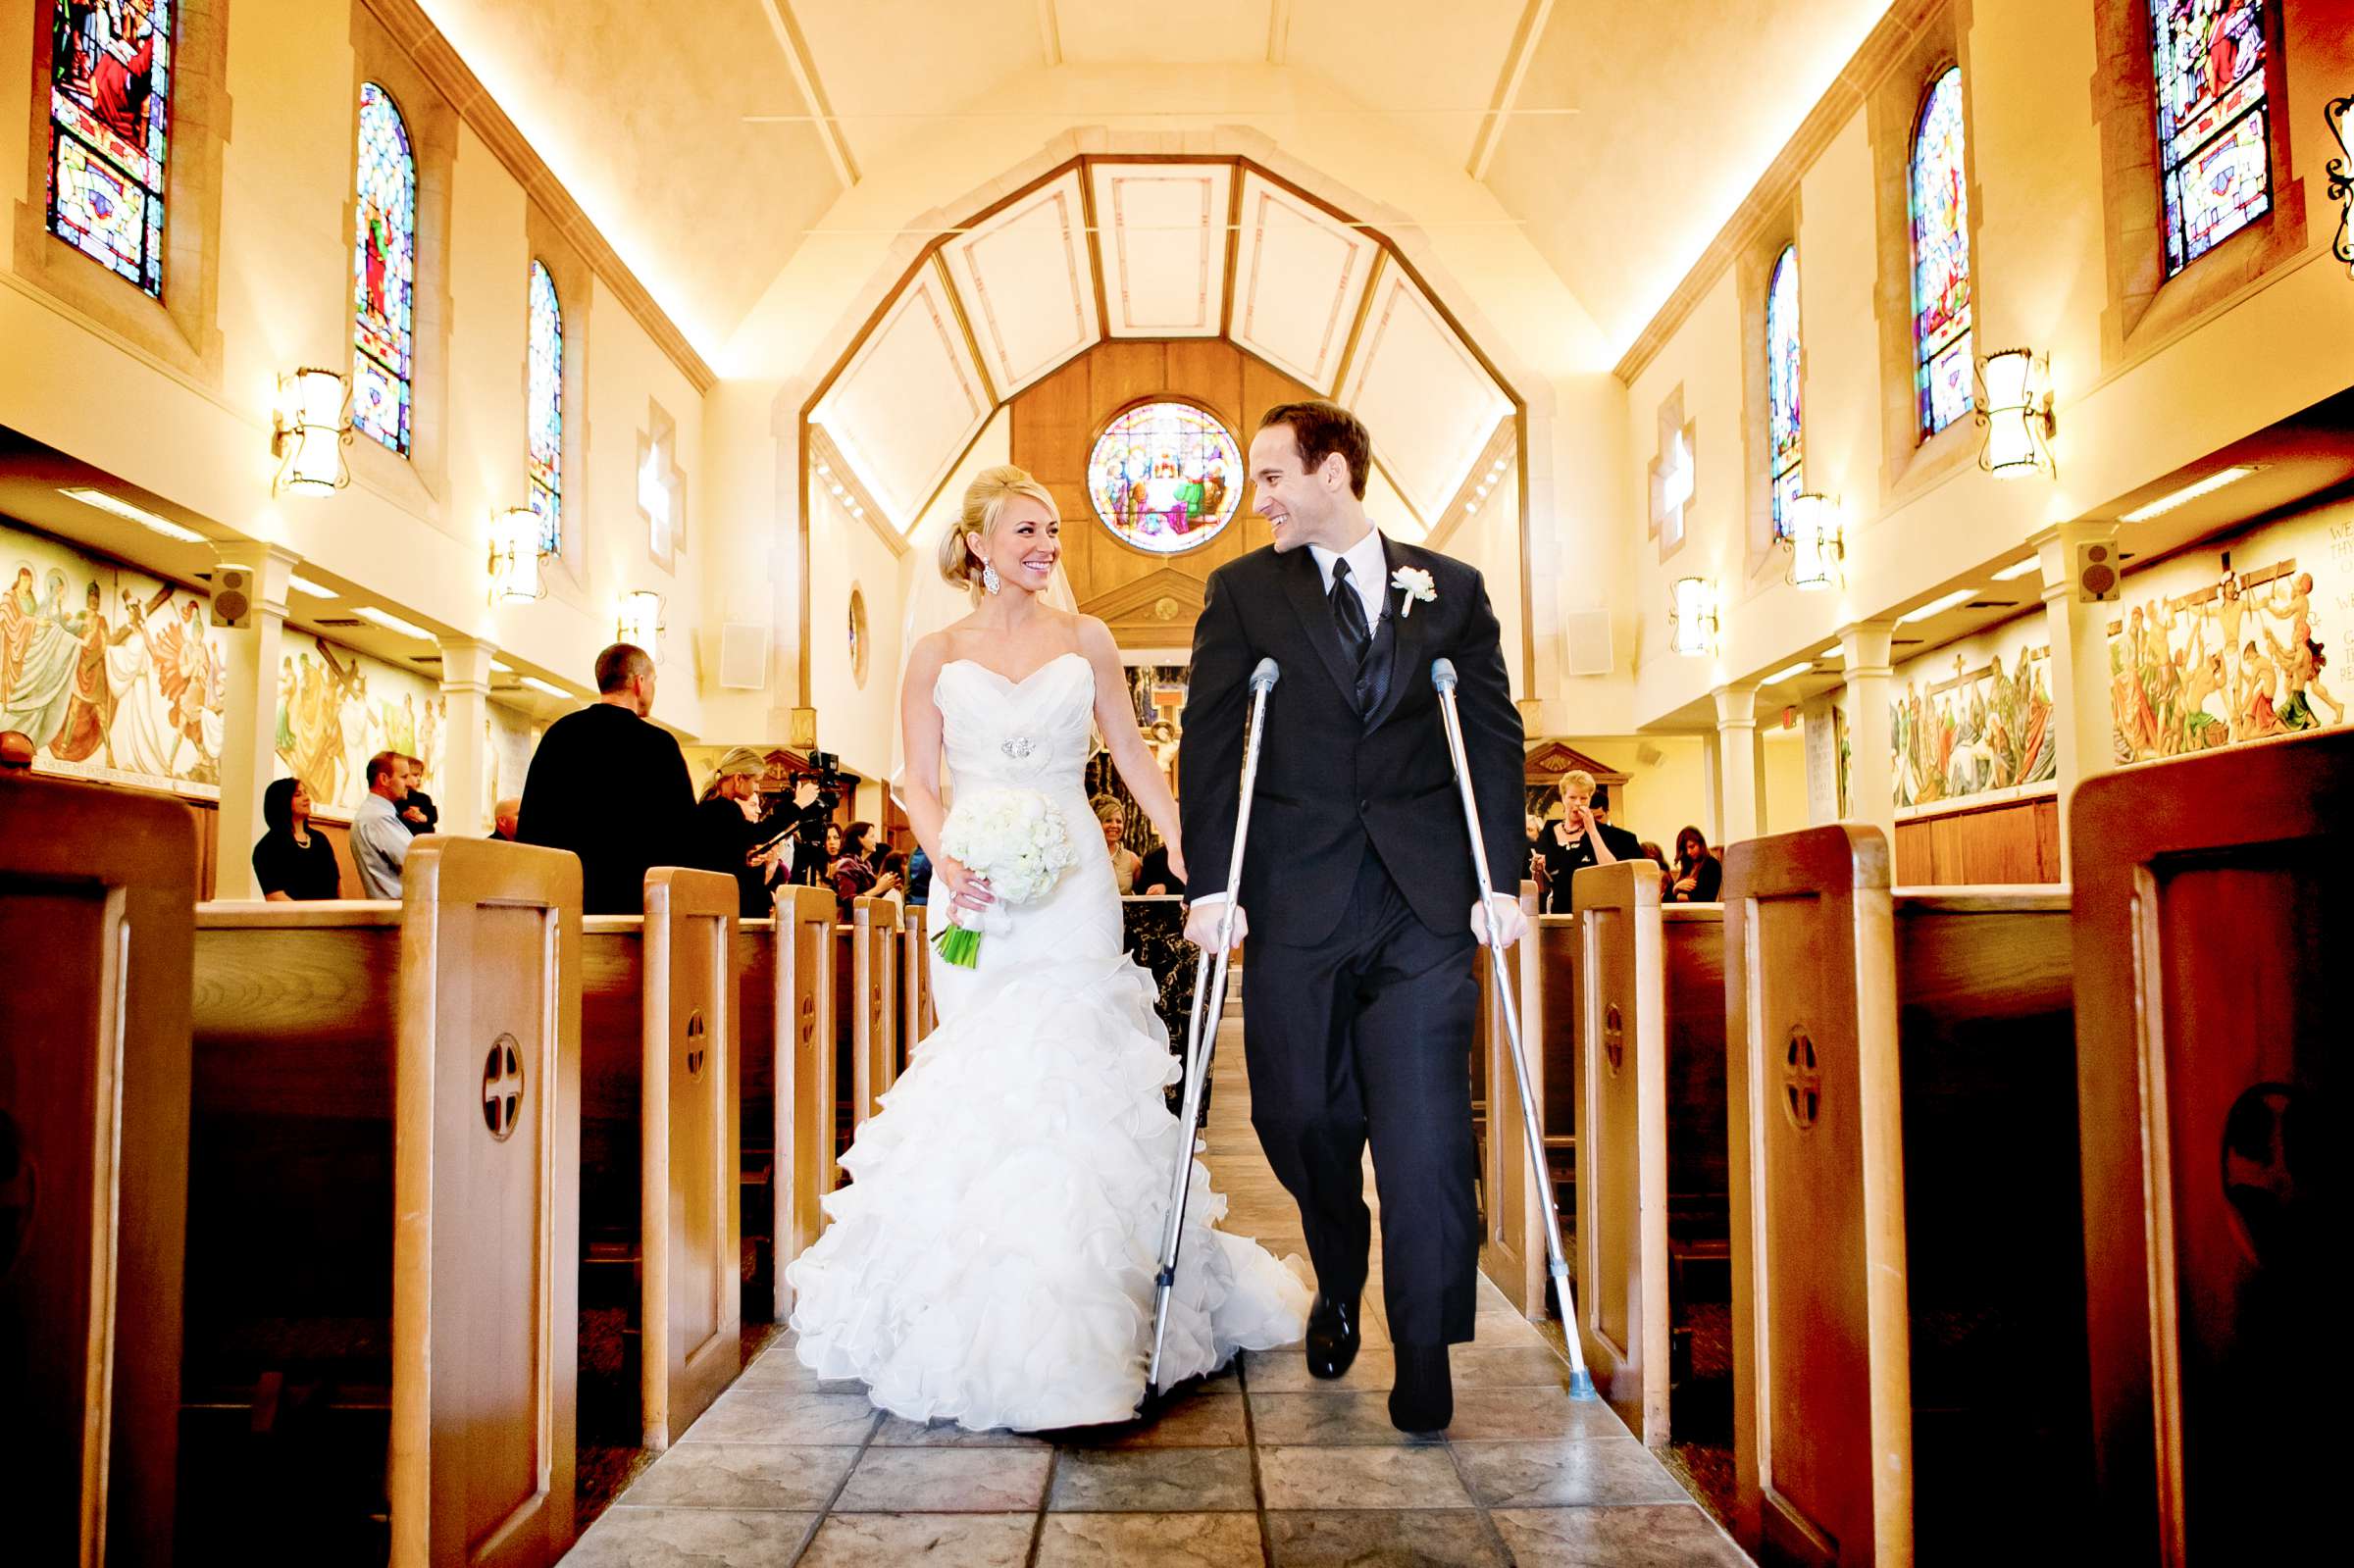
(2016, 841)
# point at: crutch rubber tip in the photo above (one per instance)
(1581, 1384)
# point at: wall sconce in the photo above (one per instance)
(1817, 542)
(1692, 618)
(2341, 178)
(515, 537)
(308, 430)
(641, 622)
(2014, 410)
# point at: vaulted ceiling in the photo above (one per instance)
(706, 139)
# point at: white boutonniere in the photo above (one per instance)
(1416, 585)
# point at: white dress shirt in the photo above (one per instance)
(1368, 572)
(380, 844)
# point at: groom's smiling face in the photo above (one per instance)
(1302, 508)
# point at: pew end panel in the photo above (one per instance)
(802, 1116)
(1821, 1399)
(1512, 1250)
(489, 1092)
(875, 1026)
(760, 1038)
(915, 981)
(689, 1167)
(2210, 922)
(1619, 1066)
(97, 889)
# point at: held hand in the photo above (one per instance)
(967, 890)
(1201, 924)
(1511, 924)
(804, 794)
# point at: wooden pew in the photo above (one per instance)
(875, 990)
(1906, 1278)
(1512, 1250)
(915, 981)
(2209, 930)
(660, 1050)
(1650, 1071)
(96, 889)
(788, 1104)
(383, 1219)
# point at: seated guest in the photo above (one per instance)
(611, 787)
(919, 877)
(1698, 874)
(1659, 857)
(1124, 860)
(379, 840)
(1577, 838)
(891, 878)
(417, 813)
(1155, 877)
(502, 817)
(292, 860)
(850, 872)
(729, 836)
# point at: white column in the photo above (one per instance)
(249, 721)
(1710, 750)
(1737, 762)
(463, 764)
(1871, 774)
(2081, 720)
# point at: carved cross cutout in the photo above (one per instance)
(1802, 1080)
(1614, 1039)
(694, 1044)
(502, 1086)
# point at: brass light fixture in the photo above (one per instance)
(2014, 410)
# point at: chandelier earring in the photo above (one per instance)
(991, 582)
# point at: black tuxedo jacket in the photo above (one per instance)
(1329, 780)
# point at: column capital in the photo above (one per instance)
(272, 565)
(466, 665)
(1736, 705)
(1866, 645)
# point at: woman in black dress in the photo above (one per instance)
(1698, 874)
(294, 860)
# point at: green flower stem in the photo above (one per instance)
(959, 947)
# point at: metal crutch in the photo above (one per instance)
(1581, 1382)
(1209, 986)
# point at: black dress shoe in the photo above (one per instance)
(1331, 1335)
(1423, 1398)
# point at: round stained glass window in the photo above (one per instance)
(1165, 477)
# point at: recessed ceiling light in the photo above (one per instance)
(390, 621)
(537, 684)
(1791, 674)
(302, 585)
(134, 514)
(1940, 605)
(2016, 570)
(2190, 492)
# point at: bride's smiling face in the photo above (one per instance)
(1024, 545)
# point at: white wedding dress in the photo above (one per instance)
(992, 1260)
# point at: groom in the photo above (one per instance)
(1358, 1014)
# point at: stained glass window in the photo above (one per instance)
(1784, 418)
(2213, 154)
(544, 409)
(110, 110)
(1941, 258)
(383, 273)
(1165, 477)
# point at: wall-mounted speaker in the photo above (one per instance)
(2098, 574)
(233, 597)
(1587, 636)
(742, 656)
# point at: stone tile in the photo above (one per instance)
(1286, 1372)
(785, 1415)
(1198, 1421)
(942, 1541)
(1151, 1481)
(1478, 1366)
(898, 1433)
(1321, 1419)
(1365, 1477)
(1505, 1327)
(1573, 1474)
(1670, 1535)
(946, 1480)
(1528, 1414)
(743, 1475)
(691, 1537)
(782, 1369)
(1150, 1540)
(1433, 1538)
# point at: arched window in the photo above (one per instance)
(1784, 418)
(1940, 200)
(383, 273)
(110, 109)
(2214, 157)
(544, 409)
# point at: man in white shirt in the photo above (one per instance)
(379, 840)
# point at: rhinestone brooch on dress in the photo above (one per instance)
(1018, 748)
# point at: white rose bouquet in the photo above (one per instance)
(1018, 842)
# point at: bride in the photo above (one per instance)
(992, 1261)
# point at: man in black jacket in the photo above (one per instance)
(612, 789)
(1359, 1015)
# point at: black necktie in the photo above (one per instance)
(1350, 612)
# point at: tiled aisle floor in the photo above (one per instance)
(1261, 1466)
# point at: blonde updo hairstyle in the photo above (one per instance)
(984, 501)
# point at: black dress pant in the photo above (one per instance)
(1369, 1033)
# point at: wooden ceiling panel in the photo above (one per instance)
(1162, 230)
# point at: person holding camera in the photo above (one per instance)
(1578, 839)
(732, 838)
